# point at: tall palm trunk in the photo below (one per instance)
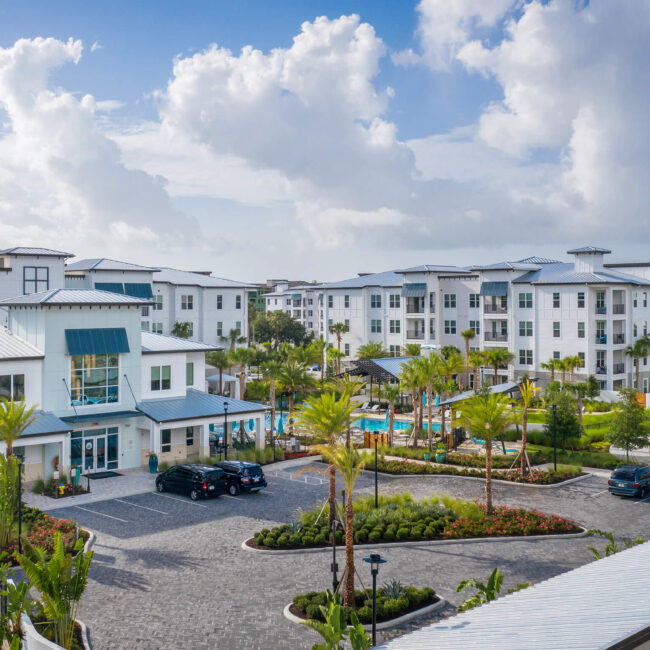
(242, 391)
(331, 498)
(524, 431)
(348, 596)
(290, 413)
(391, 420)
(563, 375)
(442, 423)
(272, 400)
(477, 378)
(636, 372)
(496, 374)
(467, 366)
(488, 475)
(220, 381)
(338, 359)
(429, 416)
(421, 409)
(416, 431)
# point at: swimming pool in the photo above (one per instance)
(370, 424)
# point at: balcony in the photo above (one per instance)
(495, 309)
(619, 368)
(417, 335)
(601, 339)
(601, 309)
(415, 305)
(495, 336)
(618, 339)
(601, 369)
(618, 309)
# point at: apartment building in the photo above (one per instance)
(300, 302)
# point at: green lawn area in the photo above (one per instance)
(584, 458)
(591, 421)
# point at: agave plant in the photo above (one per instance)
(393, 589)
(295, 527)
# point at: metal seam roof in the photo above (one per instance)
(189, 278)
(45, 423)
(152, 343)
(107, 264)
(26, 250)
(13, 347)
(73, 297)
(385, 279)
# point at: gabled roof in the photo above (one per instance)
(191, 279)
(25, 250)
(564, 273)
(506, 266)
(73, 297)
(385, 279)
(434, 268)
(589, 249)
(14, 348)
(538, 260)
(152, 343)
(106, 264)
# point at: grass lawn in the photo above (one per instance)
(583, 458)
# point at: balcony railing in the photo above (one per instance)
(414, 309)
(619, 368)
(601, 369)
(618, 309)
(488, 308)
(601, 309)
(495, 336)
(619, 338)
(601, 338)
(415, 334)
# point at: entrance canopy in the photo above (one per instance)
(45, 423)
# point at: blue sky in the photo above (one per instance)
(455, 132)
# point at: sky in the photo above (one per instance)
(315, 140)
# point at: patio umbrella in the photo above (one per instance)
(280, 427)
(251, 425)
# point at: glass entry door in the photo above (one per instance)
(95, 450)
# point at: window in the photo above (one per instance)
(394, 301)
(330, 322)
(556, 329)
(634, 330)
(450, 301)
(375, 326)
(157, 328)
(330, 301)
(432, 328)
(189, 373)
(189, 436)
(220, 302)
(288, 302)
(375, 301)
(635, 298)
(35, 279)
(450, 327)
(310, 312)
(190, 330)
(219, 329)
(645, 299)
(237, 302)
(475, 326)
(581, 355)
(556, 300)
(600, 303)
(12, 387)
(346, 302)
(157, 303)
(645, 328)
(346, 349)
(238, 327)
(581, 330)
(525, 300)
(581, 300)
(166, 441)
(346, 322)
(187, 302)
(394, 350)
(310, 301)
(525, 328)
(525, 357)
(556, 354)
(144, 326)
(395, 327)
(310, 325)
(94, 379)
(145, 310)
(473, 300)
(161, 377)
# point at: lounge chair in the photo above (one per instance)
(374, 409)
(363, 407)
(478, 441)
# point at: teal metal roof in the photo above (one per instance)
(115, 287)
(45, 423)
(109, 340)
(138, 290)
(414, 290)
(494, 288)
(195, 404)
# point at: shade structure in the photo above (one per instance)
(113, 287)
(251, 425)
(414, 290)
(108, 340)
(498, 289)
(138, 289)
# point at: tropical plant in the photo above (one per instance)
(334, 357)
(15, 417)
(347, 387)
(371, 350)
(565, 420)
(410, 380)
(412, 350)
(182, 329)
(628, 428)
(612, 547)
(326, 418)
(294, 378)
(476, 360)
(242, 357)
(233, 338)
(17, 602)
(571, 363)
(431, 373)
(636, 351)
(486, 415)
(527, 391)
(468, 335)
(61, 580)
(450, 365)
(9, 499)
(220, 360)
(551, 365)
(485, 592)
(271, 371)
(391, 393)
(496, 357)
(394, 589)
(319, 346)
(338, 329)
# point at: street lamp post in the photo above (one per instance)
(554, 407)
(376, 475)
(374, 559)
(335, 567)
(20, 506)
(225, 431)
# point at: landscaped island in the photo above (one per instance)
(399, 518)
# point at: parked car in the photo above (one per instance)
(197, 481)
(314, 370)
(242, 475)
(630, 480)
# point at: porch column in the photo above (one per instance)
(204, 440)
(155, 445)
(260, 434)
(64, 454)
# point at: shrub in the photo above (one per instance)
(321, 538)
(403, 533)
(374, 536)
(269, 541)
(283, 540)
(313, 611)
(361, 536)
(364, 614)
(307, 540)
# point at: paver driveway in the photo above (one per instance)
(170, 573)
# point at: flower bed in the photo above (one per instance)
(535, 477)
(399, 518)
(393, 600)
(466, 460)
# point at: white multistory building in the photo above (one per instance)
(300, 302)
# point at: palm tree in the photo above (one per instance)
(348, 464)
(468, 335)
(371, 350)
(319, 346)
(338, 329)
(571, 363)
(15, 417)
(412, 350)
(271, 371)
(276, 321)
(347, 387)
(391, 392)
(476, 360)
(219, 359)
(411, 380)
(527, 390)
(431, 373)
(233, 338)
(326, 418)
(496, 357)
(487, 415)
(637, 350)
(334, 357)
(182, 330)
(293, 378)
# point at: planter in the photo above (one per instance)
(427, 456)
(34, 641)
(440, 457)
(153, 464)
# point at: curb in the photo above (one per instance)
(384, 625)
(90, 541)
(84, 635)
(430, 542)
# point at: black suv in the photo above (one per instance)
(193, 479)
(242, 475)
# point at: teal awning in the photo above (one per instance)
(494, 289)
(109, 340)
(113, 287)
(414, 290)
(138, 289)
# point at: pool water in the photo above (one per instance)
(370, 424)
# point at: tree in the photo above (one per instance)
(412, 350)
(571, 363)
(450, 366)
(318, 347)
(468, 335)
(637, 350)
(347, 387)
(233, 338)
(566, 418)
(487, 415)
(496, 357)
(271, 371)
(278, 327)
(334, 357)
(242, 357)
(326, 417)
(410, 381)
(9, 499)
(527, 390)
(485, 592)
(15, 417)
(476, 360)
(391, 392)
(219, 359)
(593, 387)
(294, 378)
(551, 365)
(629, 426)
(371, 350)
(182, 329)
(431, 368)
(338, 329)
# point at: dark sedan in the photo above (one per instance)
(242, 475)
(630, 481)
(195, 480)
